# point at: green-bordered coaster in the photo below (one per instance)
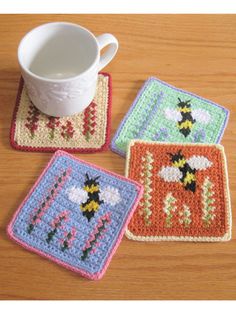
(164, 113)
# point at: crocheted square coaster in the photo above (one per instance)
(165, 113)
(85, 132)
(186, 194)
(75, 214)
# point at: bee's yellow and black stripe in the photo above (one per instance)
(188, 174)
(186, 123)
(92, 204)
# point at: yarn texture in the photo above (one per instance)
(88, 131)
(76, 214)
(192, 204)
(164, 113)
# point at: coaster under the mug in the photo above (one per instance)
(86, 132)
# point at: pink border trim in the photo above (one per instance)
(104, 147)
(97, 275)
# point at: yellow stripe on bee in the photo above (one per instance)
(185, 125)
(189, 178)
(180, 163)
(91, 206)
(185, 109)
(91, 189)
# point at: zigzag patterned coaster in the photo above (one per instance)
(164, 113)
(186, 194)
(76, 214)
(86, 132)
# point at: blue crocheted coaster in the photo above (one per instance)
(165, 113)
(75, 214)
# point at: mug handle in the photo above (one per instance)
(104, 40)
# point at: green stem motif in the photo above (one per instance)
(68, 239)
(208, 209)
(56, 224)
(185, 216)
(51, 134)
(96, 234)
(169, 208)
(146, 180)
(43, 207)
(89, 121)
(51, 235)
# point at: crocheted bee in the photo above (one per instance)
(183, 170)
(185, 117)
(91, 196)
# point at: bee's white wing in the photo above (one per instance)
(170, 174)
(201, 115)
(110, 195)
(172, 114)
(199, 162)
(77, 195)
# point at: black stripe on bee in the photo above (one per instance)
(93, 202)
(188, 174)
(186, 123)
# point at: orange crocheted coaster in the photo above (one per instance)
(186, 194)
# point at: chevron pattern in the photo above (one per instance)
(89, 121)
(146, 181)
(208, 202)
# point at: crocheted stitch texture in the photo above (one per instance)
(186, 194)
(75, 214)
(88, 131)
(164, 113)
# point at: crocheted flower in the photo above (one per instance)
(89, 121)
(161, 135)
(185, 216)
(57, 223)
(52, 124)
(146, 181)
(169, 208)
(67, 130)
(96, 235)
(208, 210)
(38, 212)
(199, 136)
(68, 239)
(32, 120)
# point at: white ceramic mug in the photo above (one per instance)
(60, 64)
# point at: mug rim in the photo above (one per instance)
(56, 80)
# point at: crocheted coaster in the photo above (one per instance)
(186, 194)
(164, 113)
(75, 214)
(85, 132)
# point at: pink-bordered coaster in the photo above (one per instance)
(86, 132)
(76, 214)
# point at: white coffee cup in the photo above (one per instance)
(60, 64)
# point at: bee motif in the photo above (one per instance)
(90, 197)
(185, 117)
(184, 170)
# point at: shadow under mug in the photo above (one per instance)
(60, 64)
